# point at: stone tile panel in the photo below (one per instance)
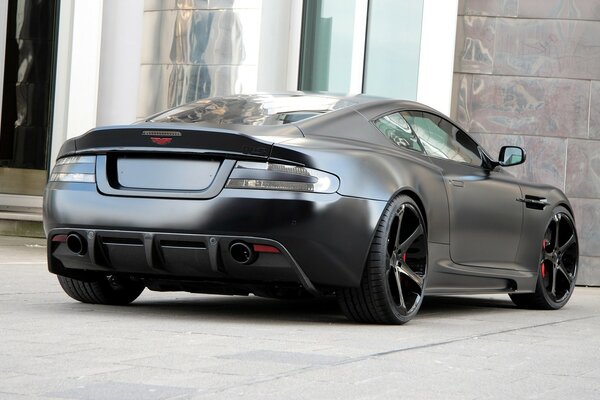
(589, 271)
(595, 110)
(529, 106)
(547, 48)
(583, 169)
(475, 44)
(462, 85)
(503, 8)
(560, 9)
(546, 157)
(587, 215)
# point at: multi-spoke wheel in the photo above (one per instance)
(392, 286)
(557, 267)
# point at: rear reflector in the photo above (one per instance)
(263, 248)
(60, 238)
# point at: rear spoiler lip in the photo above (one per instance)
(257, 147)
(174, 150)
(256, 144)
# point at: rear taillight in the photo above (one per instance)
(270, 176)
(74, 169)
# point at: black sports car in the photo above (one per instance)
(376, 201)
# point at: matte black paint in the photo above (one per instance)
(481, 236)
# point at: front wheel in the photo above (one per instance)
(103, 290)
(393, 283)
(557, 267)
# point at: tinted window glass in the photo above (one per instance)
(259, 109)
(441, 139)
(395, 127)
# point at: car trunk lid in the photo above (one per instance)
(174, 161)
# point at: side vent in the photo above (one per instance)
(534, 202)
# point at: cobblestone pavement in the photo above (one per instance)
(184, 346)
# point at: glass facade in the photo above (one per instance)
(392, 33)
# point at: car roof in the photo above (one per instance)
(266, 111)
(270, 108)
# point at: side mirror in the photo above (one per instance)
(511, 155)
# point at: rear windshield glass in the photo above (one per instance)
(253, 109)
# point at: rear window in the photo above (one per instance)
(252, 109)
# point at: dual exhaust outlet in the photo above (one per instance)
(241, 252)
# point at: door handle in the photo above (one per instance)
(456, 183)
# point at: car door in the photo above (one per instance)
(485, 216)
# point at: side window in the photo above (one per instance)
(441, 139)
(395, 127)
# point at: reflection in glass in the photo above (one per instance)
(202, 40)
(441, 139)
(395, 128)
(511, 155)
(258, 109)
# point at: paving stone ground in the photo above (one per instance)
(186, 346)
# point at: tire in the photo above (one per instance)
(393, 282)
(557, 269)
(106, 290)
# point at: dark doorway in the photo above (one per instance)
(27, 95)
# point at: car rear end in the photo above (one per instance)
(203, 209)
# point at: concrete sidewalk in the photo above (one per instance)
(180, 346)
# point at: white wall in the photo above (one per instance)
(279, 51)
(120, 59)
(98, 66)
(436, 65)
(77, 70)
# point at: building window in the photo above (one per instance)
(327, 44)
(393, 48)
(379, 47)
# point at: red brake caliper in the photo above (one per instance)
(543, 270)
(543, 265)
(404, 257)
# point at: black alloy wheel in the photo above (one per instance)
(393, 282)
(557, 267)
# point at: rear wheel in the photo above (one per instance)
(557, 267)
(105, 290)
(392, 286)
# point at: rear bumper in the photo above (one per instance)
(322, 239)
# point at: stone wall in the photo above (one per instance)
(527, 72)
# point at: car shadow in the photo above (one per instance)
(317, 310)
(465, 303)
